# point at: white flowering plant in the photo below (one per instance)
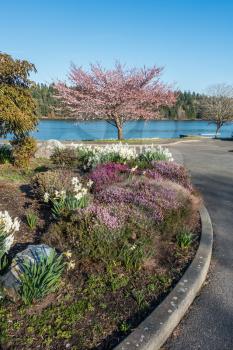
(8, 227)
(90, 156)
(155, 153)
(69, 200)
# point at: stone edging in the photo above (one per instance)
(152, 333)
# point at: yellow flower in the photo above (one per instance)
(68, 254)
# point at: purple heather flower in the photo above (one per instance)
(105, 174)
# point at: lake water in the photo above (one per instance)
(92, 130)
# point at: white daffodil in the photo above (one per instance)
(46, 197)
(71, 265)
(90, 183)
(7, 229)
(75, 181)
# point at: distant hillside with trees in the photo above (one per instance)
(48, 106)
(47, 103)
(187, 107)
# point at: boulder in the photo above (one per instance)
(34, 254)
(46, 148)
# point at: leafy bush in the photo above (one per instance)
(51, 181)
(64, 157)
(5, 154)
(23, 149)
(91, 239)
(40, 279)
(31, 219)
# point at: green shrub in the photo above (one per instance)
(64, 157)
(31, 219)
(89, 239)
(40, 279)
(5, 154)
(51, 181)
(23, 149)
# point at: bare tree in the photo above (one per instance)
(217, 105)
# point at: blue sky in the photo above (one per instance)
(193, 40)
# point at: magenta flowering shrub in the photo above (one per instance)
(108, 173)
(171, 171)
(105, 216)
(150, 196)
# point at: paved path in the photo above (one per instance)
(209, 323)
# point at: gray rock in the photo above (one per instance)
(46, 148)
(34, 254)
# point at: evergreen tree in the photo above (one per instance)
(17, 107)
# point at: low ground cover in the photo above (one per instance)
(122, 226)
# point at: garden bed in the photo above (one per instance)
(126, 226)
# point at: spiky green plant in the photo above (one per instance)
(40, 279)
(184, 239)
(32, 219)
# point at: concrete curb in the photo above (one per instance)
(152, 333)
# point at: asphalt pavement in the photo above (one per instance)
(209, 322)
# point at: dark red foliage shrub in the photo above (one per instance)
(106, 174)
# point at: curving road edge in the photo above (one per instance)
(153, 332)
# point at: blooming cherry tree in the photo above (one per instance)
(115, 95)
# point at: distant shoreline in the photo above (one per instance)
(94, 120)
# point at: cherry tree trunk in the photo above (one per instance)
(119, 126)
(120, 132)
